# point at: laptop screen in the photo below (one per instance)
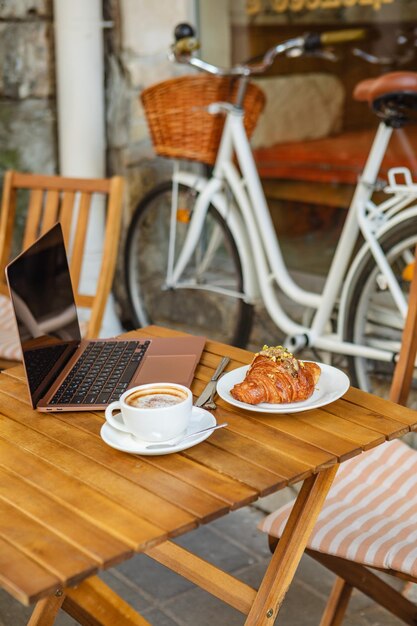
(43, 300)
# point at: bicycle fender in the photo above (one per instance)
(349, 282)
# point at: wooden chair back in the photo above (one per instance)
(350, 574)
(403, 373)
(69, 201)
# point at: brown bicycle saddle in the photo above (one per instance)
(392, 96)
(370, 89)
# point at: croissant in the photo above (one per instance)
(276, 376)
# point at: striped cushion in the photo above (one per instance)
(370, 513)
(9, 340)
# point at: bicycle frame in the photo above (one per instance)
(251, 224)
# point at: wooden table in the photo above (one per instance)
(71, 506)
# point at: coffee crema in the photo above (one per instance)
(155, 399)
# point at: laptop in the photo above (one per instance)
(65, 372)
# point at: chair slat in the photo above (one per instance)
(50, 216)
(8, 211)
(79, 240)
(403, 372)
(33, 217)
(65, 215)
(69, 201)
(60, 183)
(111, 239)
(83, 300)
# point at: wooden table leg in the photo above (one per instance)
(46, 610)
(289, 551)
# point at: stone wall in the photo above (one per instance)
(27, 89)
(137, 56)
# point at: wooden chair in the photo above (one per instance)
(46, 200)
(369, 519)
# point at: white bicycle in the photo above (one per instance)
(201, 250)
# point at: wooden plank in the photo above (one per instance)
(389, 428)
(118, 467)
(109, 255)
(38, 181)
(66, 214)
(17, 372)
(119, 489)
(332, 424)
(22, 577)
(105, 549)
(267, 458)
(44, 546)
(169, 470)
(79, 241)
(337, 445)
(397, 412)
(171, 488)
(14, 386)
(228, 489)
(50, 215)
(288, 446)
(85, 501)
(264, 480)
(33, 217)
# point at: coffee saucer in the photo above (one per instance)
(200, 418)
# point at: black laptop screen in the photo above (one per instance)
(43, 300)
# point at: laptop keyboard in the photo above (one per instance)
(102, 373)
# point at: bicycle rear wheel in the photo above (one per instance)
(373, 318)
(197, 307)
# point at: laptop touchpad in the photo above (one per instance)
(174, 368)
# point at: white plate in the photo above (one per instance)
(332, 384)
(200, 418)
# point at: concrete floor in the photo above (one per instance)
(232, 542)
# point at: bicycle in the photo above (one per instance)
(197, 245)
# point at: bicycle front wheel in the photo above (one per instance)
(208, 301)
(373, 319)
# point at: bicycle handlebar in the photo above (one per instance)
(186, 43)
(336, 37)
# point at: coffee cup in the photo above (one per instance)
(153, 412)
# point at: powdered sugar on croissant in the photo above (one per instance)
(276, 376)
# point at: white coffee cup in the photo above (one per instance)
(152, 412)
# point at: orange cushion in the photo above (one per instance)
(337, 159)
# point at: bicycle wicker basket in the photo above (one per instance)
(179, 123)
